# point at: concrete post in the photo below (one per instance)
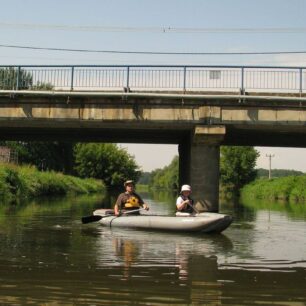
(199, 165)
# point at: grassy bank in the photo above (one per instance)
(27, 182)
(290, 188)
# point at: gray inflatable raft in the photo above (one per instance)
(203, 222)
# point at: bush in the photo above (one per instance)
(290, 188)
(27, 181)
(11, 184)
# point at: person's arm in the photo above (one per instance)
(181, 203)
(118, 205)
(116, 210)
(142, 203)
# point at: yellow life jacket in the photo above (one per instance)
(132, 202)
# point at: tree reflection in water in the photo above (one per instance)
(47, 257)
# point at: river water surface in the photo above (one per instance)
(47, 257)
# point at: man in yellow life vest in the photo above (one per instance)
(129, 200)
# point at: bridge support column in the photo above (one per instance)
(199, 165)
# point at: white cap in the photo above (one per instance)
(128, 183)
(185, 188)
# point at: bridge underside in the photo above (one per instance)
(262, 135)
(199, 125)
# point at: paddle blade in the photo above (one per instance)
(91, 218)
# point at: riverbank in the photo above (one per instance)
(290, 188)
(27, 182)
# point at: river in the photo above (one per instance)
(48, 257)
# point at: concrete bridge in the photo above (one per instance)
(198, 108)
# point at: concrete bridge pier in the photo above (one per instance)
(199, 158)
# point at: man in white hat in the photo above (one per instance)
(129, 200)
(184, 203)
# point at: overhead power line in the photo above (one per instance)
(161, 29)
(149, 52)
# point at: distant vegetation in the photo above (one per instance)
(145, 178)
(11, 78)
(165, 178)
(290, 188)
(237, 168)
(277, 173)
(27, 182)
(238, 172)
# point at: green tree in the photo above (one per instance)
(11, 77)
(107, 162)
(145, 178)
(237, 167)
(57, 156)
(15, 78)
(167, 177)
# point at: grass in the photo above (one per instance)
(27, 182)
(290, 188)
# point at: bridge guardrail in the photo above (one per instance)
(238, 79)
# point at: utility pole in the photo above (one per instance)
(270, 157)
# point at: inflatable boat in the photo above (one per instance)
(205, 222)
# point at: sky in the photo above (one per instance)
(283, 158)
(158, 26)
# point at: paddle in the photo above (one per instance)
(94, 218)
(193, 208)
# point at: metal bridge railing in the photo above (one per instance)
(154, 78)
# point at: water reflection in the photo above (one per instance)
(128, 251)
(47, 257)
(180, 268)
(51, 206)
(295, 210)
